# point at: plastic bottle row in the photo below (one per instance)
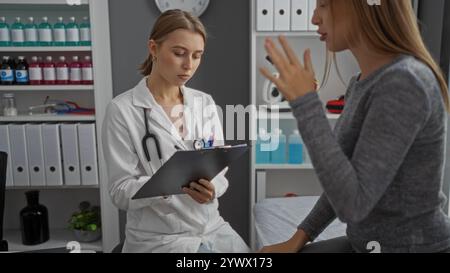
(48, 72)
(45, 34)
(277, 148)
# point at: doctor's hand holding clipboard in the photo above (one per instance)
(145, 126)
(202, 191)
(176, 176)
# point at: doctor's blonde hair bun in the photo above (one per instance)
(168, 22)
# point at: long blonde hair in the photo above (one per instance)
(391, 28)
(168, 22)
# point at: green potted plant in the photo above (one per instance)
(86, 223)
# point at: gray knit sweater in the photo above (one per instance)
(382, 167)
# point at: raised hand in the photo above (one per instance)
(295, 80)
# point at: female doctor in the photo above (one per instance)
(146, 125)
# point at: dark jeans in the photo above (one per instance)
(336, 245)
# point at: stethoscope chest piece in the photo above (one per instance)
(199, 144)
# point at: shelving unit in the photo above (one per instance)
(64, 187)
(289, 116)
(47, 118)
(287, 34)
(58, 240)
(276, 180)
(47, 87)
(62, 201)
(46, 49)
(284, 167)
(48, 2)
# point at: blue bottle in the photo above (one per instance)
(295, 148)
(45, 33)
(21, 72)
(7, 71)
(85, 32)
(5, 38)
(59, 33)
(72, 33)
(18, 33)
(263, 147)
(279, 152)
(31, 33)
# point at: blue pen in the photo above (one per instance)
(211, 141)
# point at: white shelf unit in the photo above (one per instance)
(46, 118)
(62, 201)
(48, 2)
(46, 49)
(58, 239)
(276, 180)
(289, 115)
(284, 166)
(7, 88)
(64, 187)
(275, 34)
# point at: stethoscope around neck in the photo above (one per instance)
(198, 144)
(147, 137)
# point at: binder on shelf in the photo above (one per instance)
(88, 154)
(52, 154)
(35, 154)
(19, 159)
(299, 15)
(311, 7)
(71, 159)
(4, 147)
(264, 15)
(282, 17)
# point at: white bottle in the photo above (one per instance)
(31, 33)
(59, 33)
(72, 33)
(295, 148)
(45, 33)
(18, 33)
(5, 38)
(85, 32)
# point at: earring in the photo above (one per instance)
(154, 59)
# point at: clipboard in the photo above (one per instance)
(188, 166)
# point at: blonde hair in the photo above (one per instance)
(168, 22)
(391, 28)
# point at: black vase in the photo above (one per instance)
(34, 221)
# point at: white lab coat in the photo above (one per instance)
(162, 224)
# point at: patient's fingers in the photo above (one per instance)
(278, 60)
(308, 61)
(293, 59)
(270, 77)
